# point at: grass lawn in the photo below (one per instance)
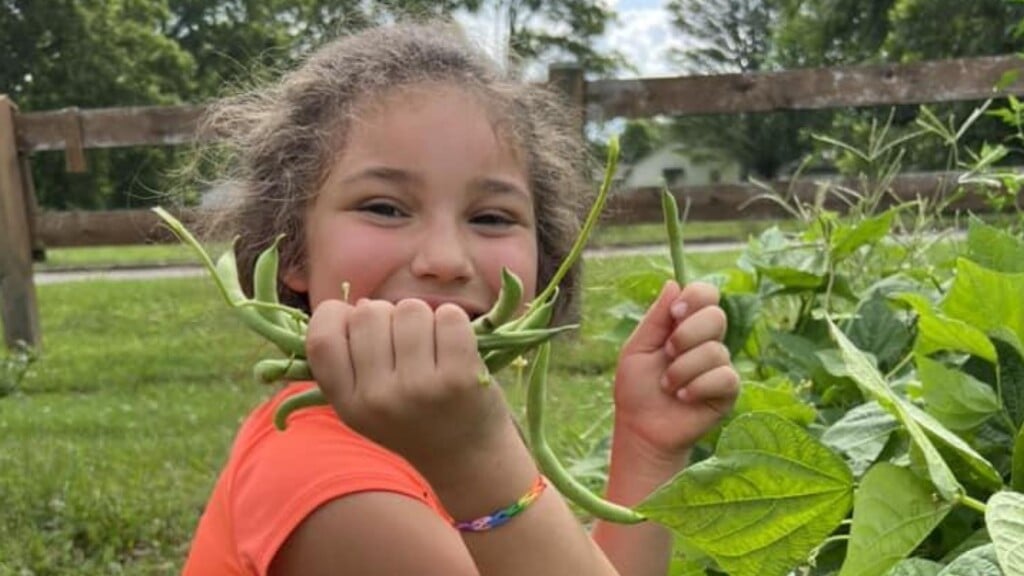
(604, 236)
(112, 442)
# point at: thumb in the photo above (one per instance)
(656, 325)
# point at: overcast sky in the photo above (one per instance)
(643, 33)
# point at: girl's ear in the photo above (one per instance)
(296, 279)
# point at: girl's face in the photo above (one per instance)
(427, 201)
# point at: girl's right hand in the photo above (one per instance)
(408, 378)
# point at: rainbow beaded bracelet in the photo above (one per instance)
(501, 517)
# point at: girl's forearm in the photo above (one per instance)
(641, 549)
(545, 538)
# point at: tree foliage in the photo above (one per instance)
(725, 36)
(112, 53)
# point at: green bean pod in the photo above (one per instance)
(673, 226)
(518, 339)
(510, 297)
(311, 397)
(276, 369)
(226, 273)
(547, 461)
(264, 284)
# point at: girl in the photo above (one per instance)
(401, 162)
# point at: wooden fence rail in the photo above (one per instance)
(74, 131)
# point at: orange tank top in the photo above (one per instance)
(273, 480)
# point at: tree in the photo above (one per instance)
(728, 36)
(106, 53)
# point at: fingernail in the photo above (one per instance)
(681, 394)
(678, 310)
(664, 383)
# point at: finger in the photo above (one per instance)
(458, 361)
(703, 359)
(698, 295)
(412, 330)
(717, 389)
(656, 325)
(705, 325)
(327, 350)
(370, 343)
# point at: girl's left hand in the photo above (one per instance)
(675, 378)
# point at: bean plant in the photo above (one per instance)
(880, 427)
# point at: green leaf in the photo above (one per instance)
(956, 399)
(980, 561)
(741, 311)
(1011, 381)
(847, 239)
(641, 287)
(893, 512)
(1004, 517)
(915, 567)
(993, 248)
(861, 435)
(878, 331)
(781, 399)
(981, 470)
(769, 495)
(986, 299)
(794, 264)
(936, 332)
(1017, 473)
(874, 385)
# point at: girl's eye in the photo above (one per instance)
(493, 219)
(383, 209)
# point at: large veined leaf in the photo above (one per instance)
(937, 332)
(994, 248)
(1004, 517)
(769, 495)
(980, 561)
(893, 512)
(915, 567)
(874, 385)
(955, 398)
(987, 299)
(780, 399)
(861, 434)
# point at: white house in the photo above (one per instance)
(677, 165)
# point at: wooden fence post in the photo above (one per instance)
(17, 291)
(568, 79)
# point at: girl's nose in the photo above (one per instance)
(443, 255)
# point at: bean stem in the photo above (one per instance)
(548, 462)
(588, 225)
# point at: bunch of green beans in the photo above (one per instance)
(501, 337)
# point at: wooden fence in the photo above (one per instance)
(24, 229)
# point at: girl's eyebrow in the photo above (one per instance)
(501, 186)
(486, 184)
(382, 173)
